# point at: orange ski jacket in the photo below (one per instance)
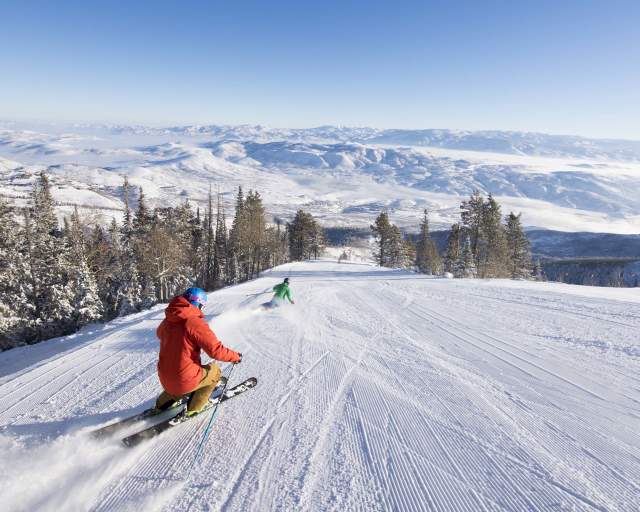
(183, 334)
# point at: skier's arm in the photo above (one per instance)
(205, 338)
(288, 295)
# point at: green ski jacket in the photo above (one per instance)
(282, 291)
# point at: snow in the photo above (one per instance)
(343, 176)
(378, 390)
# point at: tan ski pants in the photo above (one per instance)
(201, 393)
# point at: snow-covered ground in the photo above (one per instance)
(342, 176)
(378, 390)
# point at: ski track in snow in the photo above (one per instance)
(379, 390)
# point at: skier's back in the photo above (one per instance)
(183, 334)
(282, 293)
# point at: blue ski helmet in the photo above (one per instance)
(196, 296)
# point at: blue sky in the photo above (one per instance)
(557, 67)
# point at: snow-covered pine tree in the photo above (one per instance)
(126, 289)
(402, 250)
(220, 246)
(396, 248)
(148, 294)
(127, 281)
(125, 292)
(104, 261)
(466, 266)
(472, 212)
(493, 255)
(127, 224)
(86, 301)
(16, 313)
(87, 304)
(428, 259)
(518, 248)
(452, 254)
(49, 286)
(142, 220)
(154, 253)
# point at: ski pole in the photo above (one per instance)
(205, 434)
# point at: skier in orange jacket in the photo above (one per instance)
(183, 334)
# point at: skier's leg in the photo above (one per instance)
(165, 400)
(205, 388)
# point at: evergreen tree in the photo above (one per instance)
(15, 310)
(220, 247)
(518, 248)
(452, 254)
(316, 240)
(126, 288)
(87, 306)
(305, 237)
(466, 266)
(128, 293)
(48, 280)
(428, 259)
(54, 281)
(210, 245)
(104, 260)
(256, 224)
(402, 253)
(472, 218)
(196, 252)
(237, 241)
(142, 220)
(145, 260)
(493, 251)
(86, 302)
(127, 225)
(382, 232)
(393, 250)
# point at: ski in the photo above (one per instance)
(113, 428)
(181, 417)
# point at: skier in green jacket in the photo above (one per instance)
(282, 293)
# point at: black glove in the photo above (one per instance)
(239, 360)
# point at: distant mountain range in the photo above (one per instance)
(342, 175)
(508, 142)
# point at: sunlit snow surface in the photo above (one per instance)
(343, 176)
(379, 390)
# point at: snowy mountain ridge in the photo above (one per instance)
(495, 141)
(342, 175)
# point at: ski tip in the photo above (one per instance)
(252, 381)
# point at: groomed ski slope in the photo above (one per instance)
(378, 390)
